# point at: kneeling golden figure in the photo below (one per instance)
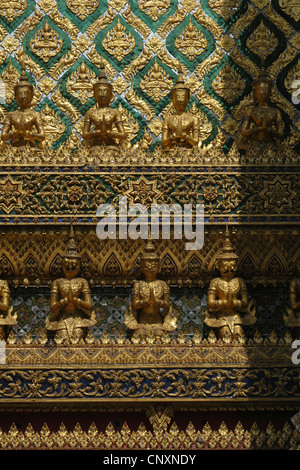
(180, 130)
(103, 125)
(150, 312)
(292, 315)
(23, 127)
(6, 317)
(70, 304)
(228, 307)
(262, 126)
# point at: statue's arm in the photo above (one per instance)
(242, 302)
(87, 133)
(6, 129)
(40, 133)
(295, 303)
(164, 302)
(137, 303)
(120, 134)
(246, 129)
(55, 304)
(279, 125)
(4, 303)
(85, 303)
(166, 137)
(213, 302)
(196, 132)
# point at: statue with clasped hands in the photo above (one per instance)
(70, 303)
(181, 129)
(103, 125)
(24, 126)
(150, 312)
(228, 306)
(262, 125)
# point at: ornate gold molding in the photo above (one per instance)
(173, 437)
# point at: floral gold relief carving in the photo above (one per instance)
(154, 8)
(262, 41)
(156, 83)
(278, 195)
(11, 194)
(118, 4)
(191, 42)
(225, 8)
(80, 83)
(118, 42)
(291, 7)
(82, 9)
(46, 43)
(12, 9)
(228, 76)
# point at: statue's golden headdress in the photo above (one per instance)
(102, 79)
(149, 253)
(262, 76)
(23, 81)
(72, 251)
(180, 83)
(227, 251)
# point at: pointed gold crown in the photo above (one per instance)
(227, 251)
(180, 83)
(102, 79)
(149, 251)
(71, 251)
(263, 75)
(23, 80)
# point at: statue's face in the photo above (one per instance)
(24, 96)
(71, 267)
(102, 94)
(150, 268)
(262, 92)
(180, 98)
(227, 268)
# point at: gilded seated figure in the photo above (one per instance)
(6, 316)
(70, 303)
(228, 307)
(23, 127)
(103, 125)
(262, 126)
(180, 130)
(292, 316)
(150, 312)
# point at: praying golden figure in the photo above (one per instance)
(6, 316)
(103, 125)
(24, 126)
(150, 312)
(70, 303)
(292, 316)
(262, 125)
(228, 307)
(180, 130)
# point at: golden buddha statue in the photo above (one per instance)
(70, 303)
(292, 316)
(103, 125)
(228, 307)
(150, 312)
(6, 317)
(180, 130)
(262, 125)
(24, 126)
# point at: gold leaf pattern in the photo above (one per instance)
(191, 42)
(118, 42)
